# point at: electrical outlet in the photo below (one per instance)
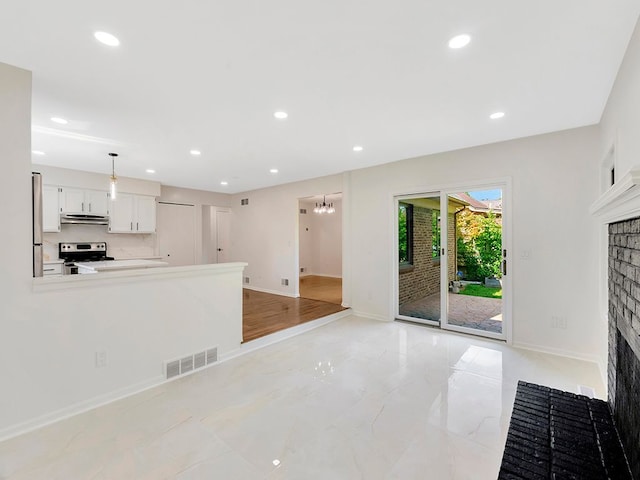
(101, 358)
(559, 322)
(525, 254)
(285, 282)
(246, 279)
(301, 269)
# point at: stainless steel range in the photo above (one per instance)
(81, 252)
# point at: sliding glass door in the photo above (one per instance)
(452, 263)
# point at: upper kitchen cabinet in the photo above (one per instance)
(50, 208)
(76, 200)
(132, 214)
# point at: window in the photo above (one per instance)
(405, 234)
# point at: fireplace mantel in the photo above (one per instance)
(621, 201)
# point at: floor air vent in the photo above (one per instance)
(184, 365)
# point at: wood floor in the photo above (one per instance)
(326, 289)
(264, 313)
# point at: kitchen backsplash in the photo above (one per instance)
(118, 245)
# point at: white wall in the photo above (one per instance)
(621, 116)
(305, 237)
(620, 125)
(553, 186)
(18, 333)
(265, 232)
(49, 337)
(321, 244)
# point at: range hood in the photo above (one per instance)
(83, 219)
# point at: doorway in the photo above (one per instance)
(320, 248)
(452, 265)
(216, 234)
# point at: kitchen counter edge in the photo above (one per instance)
(64, 282)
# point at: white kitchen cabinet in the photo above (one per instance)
(132, 214)
(52, 268)
(145, 214)
(77, 200)
(98, 202)
(50, 208)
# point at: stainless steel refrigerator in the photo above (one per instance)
(36, 184)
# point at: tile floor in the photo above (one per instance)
(355, 399)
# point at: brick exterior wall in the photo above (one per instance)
(624, 335)
(424, 279)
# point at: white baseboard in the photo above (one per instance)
(558, 351)
(371, 316)
(307, 274)
(273, 292)
(78, 408)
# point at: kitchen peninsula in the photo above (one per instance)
(117, 265)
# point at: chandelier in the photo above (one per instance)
(324, 207)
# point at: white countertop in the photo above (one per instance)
(113, 265)
(134, 275)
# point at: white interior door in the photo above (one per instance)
(223, 235)
(177, 233)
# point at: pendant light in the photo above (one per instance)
(114, 180)
(324, 207)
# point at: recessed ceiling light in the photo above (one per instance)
(59, 120)
(224, 183)
(459, 41)
(496, 115)
(195, 152)
(357, 148)
(281, 115)
(107, 39)
(273, 170)
(37, 152)
(150, 170)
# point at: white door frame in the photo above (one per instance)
(505, 183)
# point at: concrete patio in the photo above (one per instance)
(464, 310)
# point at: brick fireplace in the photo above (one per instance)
(624, 334)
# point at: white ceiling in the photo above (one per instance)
(209, 75)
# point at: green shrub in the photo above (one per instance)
(481, 251)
